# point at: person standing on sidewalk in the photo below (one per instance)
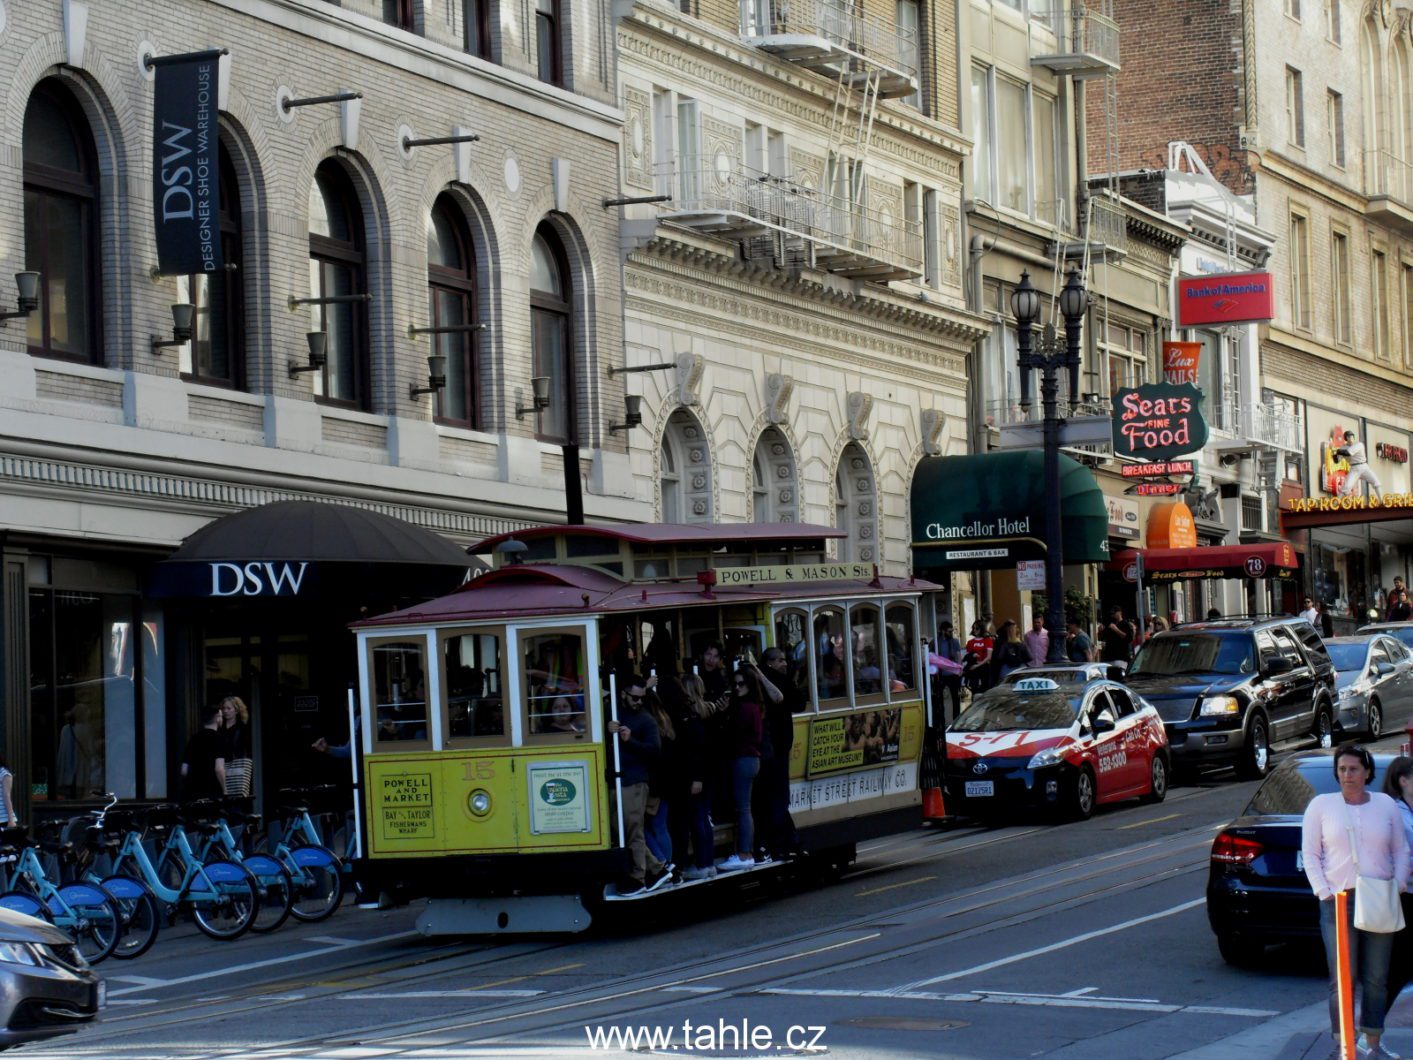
(1398, 785)
(1344, 835)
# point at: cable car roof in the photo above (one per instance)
(714, 534)
(558, 590)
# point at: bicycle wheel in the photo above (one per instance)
(91, 916)
(318, 883)
(171, 869)
(28, 904)
(274, 891)
(141, 918)
(223, 899)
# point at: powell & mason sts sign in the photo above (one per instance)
(1158, 421)
(186, 171)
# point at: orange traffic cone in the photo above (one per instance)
(933, 808)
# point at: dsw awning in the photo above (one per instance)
(987, 511)
(1274, 559)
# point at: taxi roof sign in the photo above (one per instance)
(1037, 684)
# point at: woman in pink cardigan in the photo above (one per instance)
(1344, 835)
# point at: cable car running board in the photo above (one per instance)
(610, 894)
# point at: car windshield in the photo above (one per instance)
(1004, 709)
(1289, 791)
(1347, 656)
(1194, 653)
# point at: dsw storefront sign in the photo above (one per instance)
(257, 579)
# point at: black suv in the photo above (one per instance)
(1229, 690)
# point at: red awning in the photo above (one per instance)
(1270, 559)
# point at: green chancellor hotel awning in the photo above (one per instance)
(987, 511)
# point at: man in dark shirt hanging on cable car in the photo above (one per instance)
(639, 747)
(776, 827)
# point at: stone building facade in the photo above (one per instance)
(801, 291)
(112, 449)
(1318, 135)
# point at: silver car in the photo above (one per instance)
(1373, 682)
(46, 987)
(1399, 631)
(1070, 673)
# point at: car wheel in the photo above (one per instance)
(1157, 780)
(1256, 758)
(1082, 795)
(1241, 951)
(1375, 720)
(1324, 725)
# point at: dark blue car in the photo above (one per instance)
(1257, 891)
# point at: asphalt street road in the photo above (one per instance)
(1077, 940)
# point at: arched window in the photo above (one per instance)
(1378, 173)
(552, 335)
(216, 353)
(338, 267)
(774, 496)
(855, 508)
(671, 485)
(61, 225)
(1401, 130)
(451, 279)
(688, 489)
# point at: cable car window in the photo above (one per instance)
(790, 638)
(902, 648)
(554, 684)
(399, 670)
(830, 651)
(868, 660)
(475, 687)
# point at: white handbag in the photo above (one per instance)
(1377, 907)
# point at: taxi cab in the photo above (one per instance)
(1040, 744)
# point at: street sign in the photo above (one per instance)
(1030, 574)
(1078, 430)
(1157, 489)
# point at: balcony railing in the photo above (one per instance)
(850, 238)
(823, 34)
(1086, 42)
(1274, 426)
(1388, 183)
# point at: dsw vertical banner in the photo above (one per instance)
(185, 172)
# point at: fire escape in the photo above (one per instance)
(783, 217)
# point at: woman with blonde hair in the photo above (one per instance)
(696, 754)
(235, 733)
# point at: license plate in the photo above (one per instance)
(1299, 861)
(978, 789)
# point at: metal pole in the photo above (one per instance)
(354, 757)
(617, 768)
(1054, 546)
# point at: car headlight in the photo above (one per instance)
(1218, 706)
(1051, 756)
(1358, 688)
(19, 953)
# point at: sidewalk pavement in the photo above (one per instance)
(1303, 1034)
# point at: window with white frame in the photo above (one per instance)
(1047, 166)
(1218, 374)
(1299, 247)
(981, 153)
(1334, 118)
(1292, 8)
(1379, 292)
(1294, 106)
(1332, 13)
(1126, 355)
(1407, 276)
(909, 22)
(1340, 286)
(1012, 137)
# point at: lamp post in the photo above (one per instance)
(1050, 354)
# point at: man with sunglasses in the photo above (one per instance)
(785, 699)
(640, 744)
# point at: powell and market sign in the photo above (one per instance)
(185, 162)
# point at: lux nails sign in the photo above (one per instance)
(1158, 421)
(256, 579)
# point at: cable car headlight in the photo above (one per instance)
(479, 802)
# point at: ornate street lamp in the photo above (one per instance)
(1050, 354)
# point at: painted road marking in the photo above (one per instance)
(1155, 820)
(1063, 944)
(152, 984)
(471, 992)
(893, 886)
(986, 997)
